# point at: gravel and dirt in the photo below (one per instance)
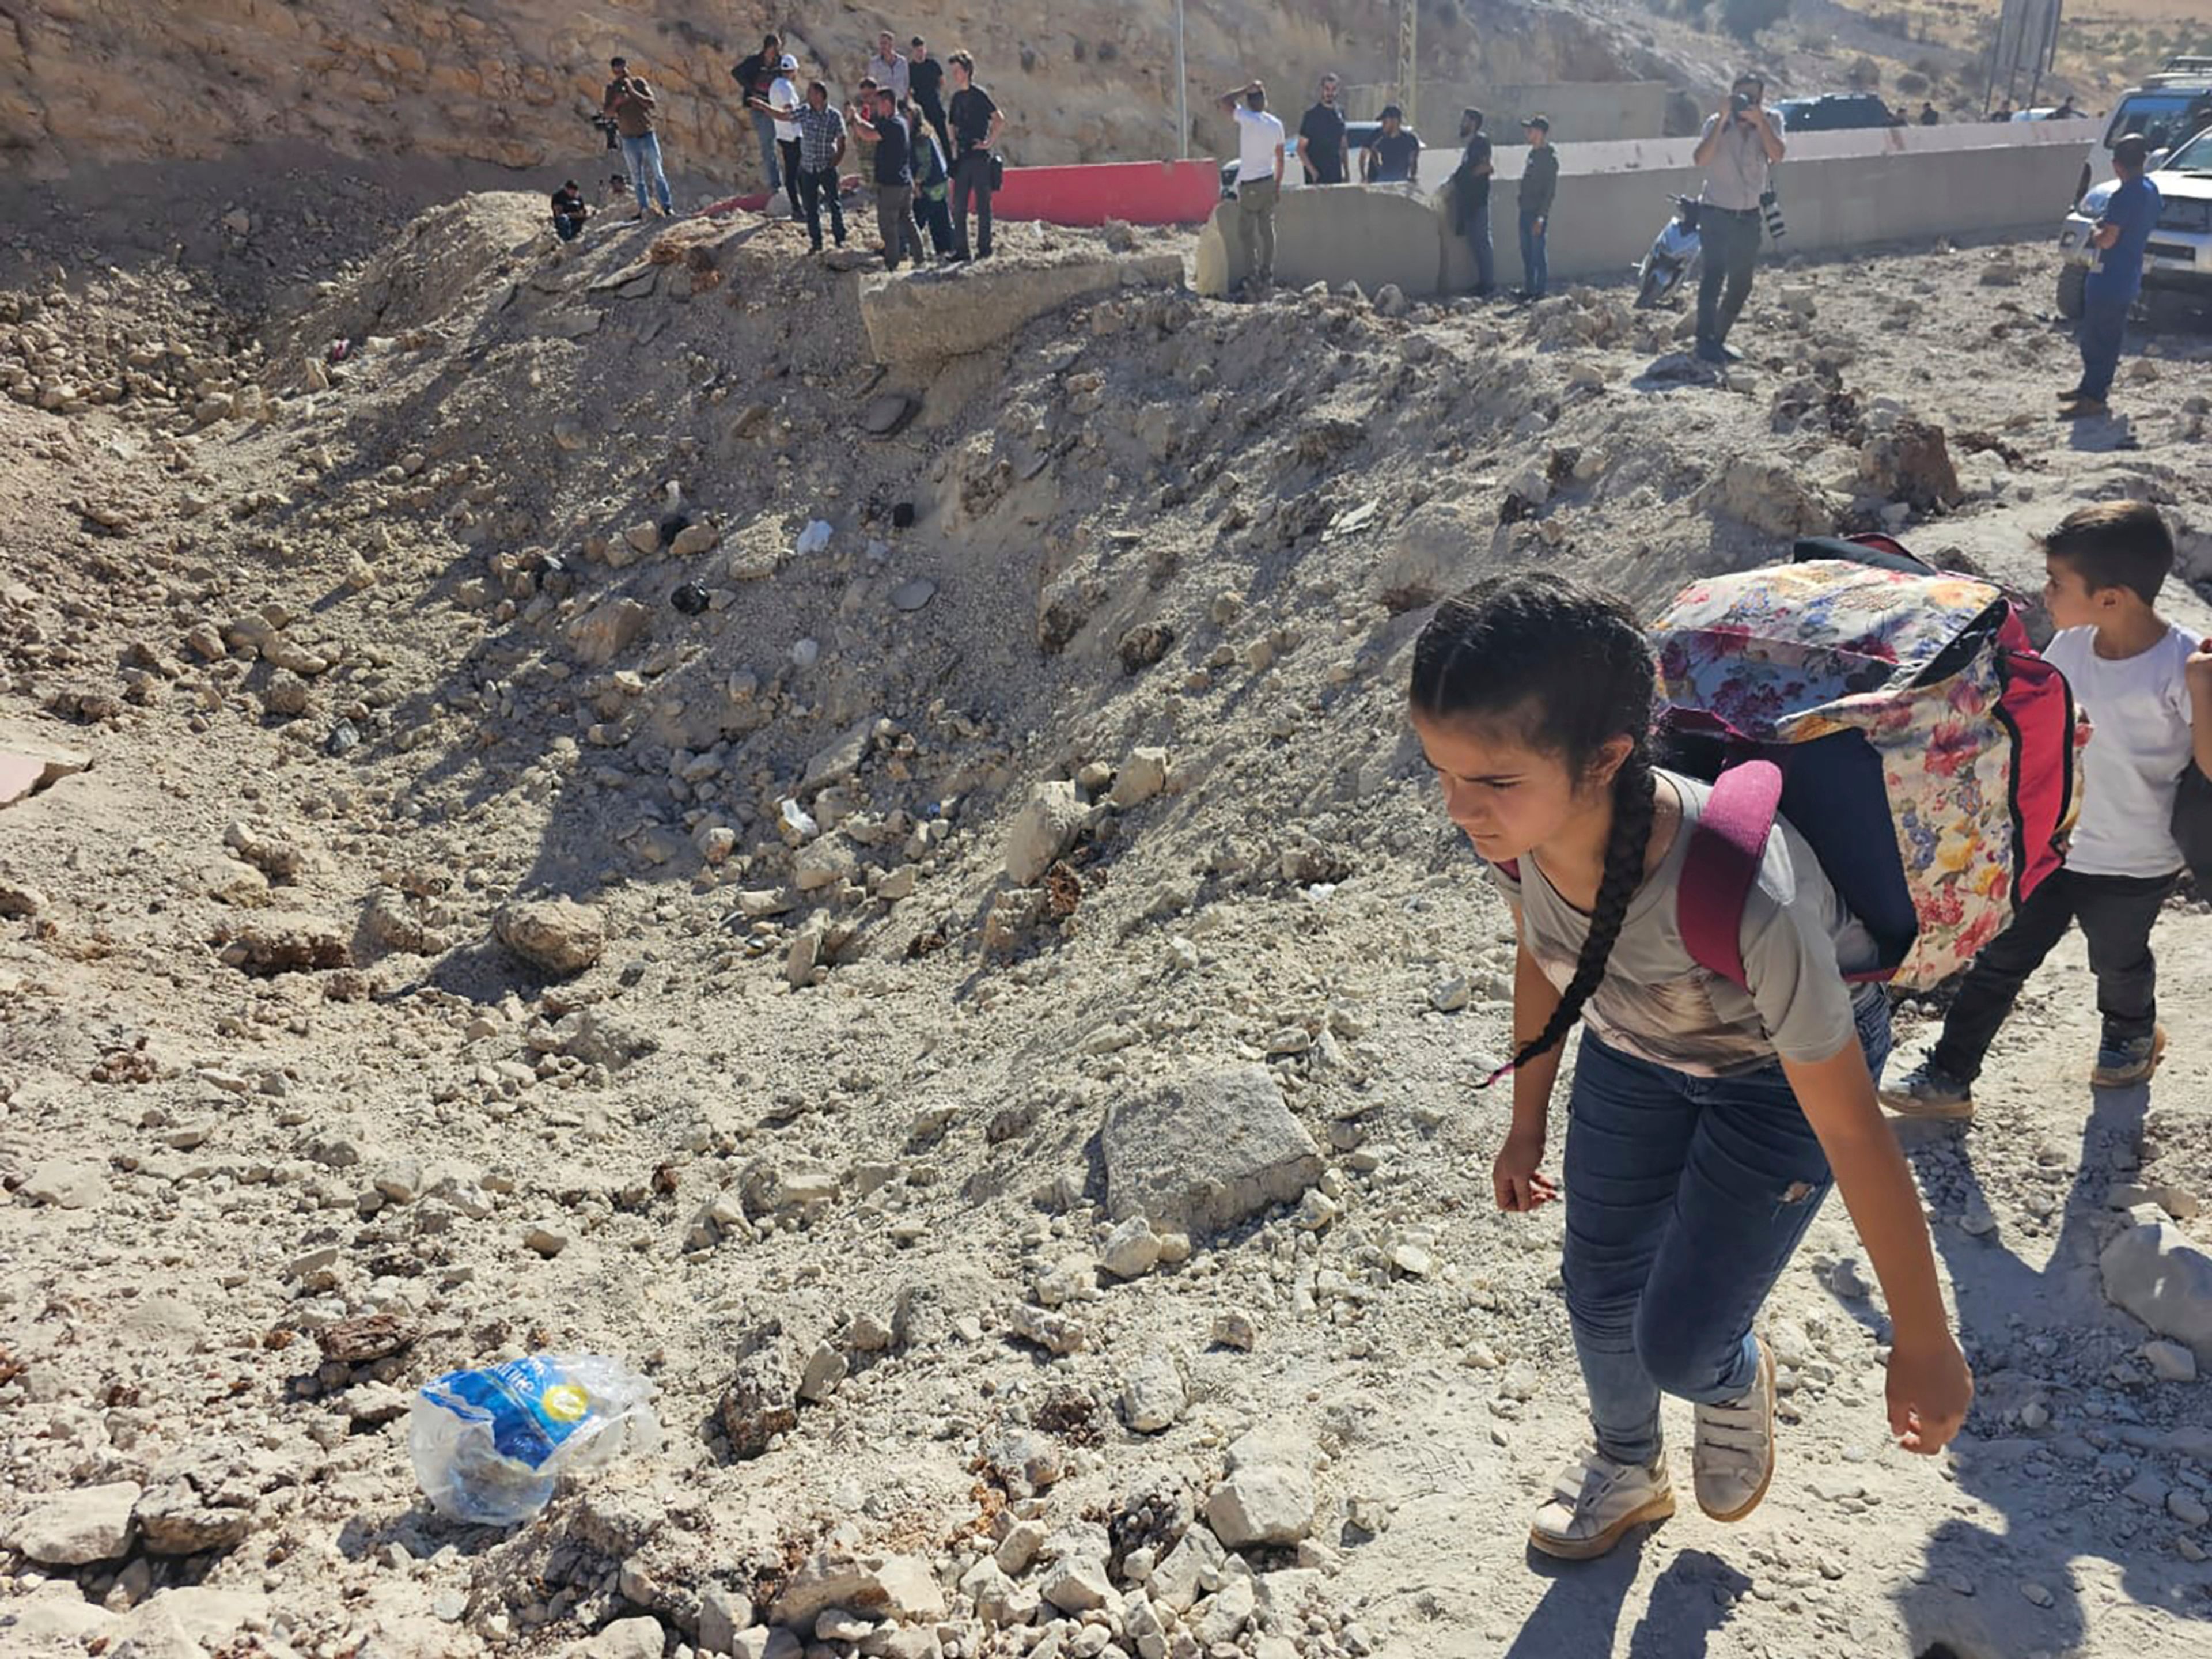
(976, 1000)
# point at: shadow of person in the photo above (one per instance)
(1689, 1601)
(2010, 1314)
(1581, 1607)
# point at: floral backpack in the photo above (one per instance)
(1898, 717)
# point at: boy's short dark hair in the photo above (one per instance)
(2131, 151)
(965, 59)
(2114, 545)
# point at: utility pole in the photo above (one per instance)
(1182, 92)
(1409, 20)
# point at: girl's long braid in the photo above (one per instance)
(1634, 791)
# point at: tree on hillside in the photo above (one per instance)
(1744, 19)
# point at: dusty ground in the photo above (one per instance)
(360, 658)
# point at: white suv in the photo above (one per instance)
(2179, 253)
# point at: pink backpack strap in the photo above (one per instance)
(1726, 848)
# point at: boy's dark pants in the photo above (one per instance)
(2116, 913)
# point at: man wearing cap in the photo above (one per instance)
(630, 101)
(1392, 153)
(1259, 180)
(1742, 143)
(888, 69)
(926, 77)
(2114, 280)
(1470, 189)
(1539, 183)
(755, 75)
(1324, 147)
(781, 105)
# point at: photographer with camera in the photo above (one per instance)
(570, 210)
(1738, 149)
(631, 102)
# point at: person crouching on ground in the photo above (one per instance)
(2147, 688)
(1742, 143)
(570, 210)
(631, 102)
(2114, 280)
(894, 176)
(1705, 1120)
(1259, 181)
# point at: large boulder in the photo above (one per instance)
(2163, 1280)
(555, 936)
(1206, 1151)
(76, 1528)
(1044, 832)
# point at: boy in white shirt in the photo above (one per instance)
(1259, 180)
(782, 104)
(2147, 688)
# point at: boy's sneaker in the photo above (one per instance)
(1735, 1457)
(2123, 1066)
(1596, 1500)
(1930, 1091)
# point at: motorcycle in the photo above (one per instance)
(1673, 257)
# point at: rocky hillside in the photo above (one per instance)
(89, 81)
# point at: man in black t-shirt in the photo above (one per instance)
(882, 126)
(977, 123)
(569, 211)
(1393, 154)
(926, 79)
(1323, 146)
(756, 78)
(1470, 188)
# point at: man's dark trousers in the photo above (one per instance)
(971, 177)
(1731, 247)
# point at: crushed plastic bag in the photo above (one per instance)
(813, 539)
(489, 1445)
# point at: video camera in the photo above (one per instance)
(606, 123)
(1739, 102)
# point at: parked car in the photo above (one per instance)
(1836, 111)
(2178, 256)
(1359, 134)
(2166, 108)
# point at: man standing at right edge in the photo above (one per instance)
(1540, 185)
(1738, 149)
(976, 124)
(2114, 280)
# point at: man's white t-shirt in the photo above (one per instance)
(785, 95)
(1258, 135)
(2141, 745)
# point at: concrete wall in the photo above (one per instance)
(1586, 112)
(1838, 190)
(1370, 234)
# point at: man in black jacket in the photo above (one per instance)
(756, 78)
(1539, 183)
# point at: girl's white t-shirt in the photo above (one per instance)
(2139, 746)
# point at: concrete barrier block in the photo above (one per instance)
(932, 318)
(1371, 234)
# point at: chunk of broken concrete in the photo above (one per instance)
(1206, 1151)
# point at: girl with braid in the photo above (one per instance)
(1704, 1120)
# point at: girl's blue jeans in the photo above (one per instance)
(1686, 1197)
